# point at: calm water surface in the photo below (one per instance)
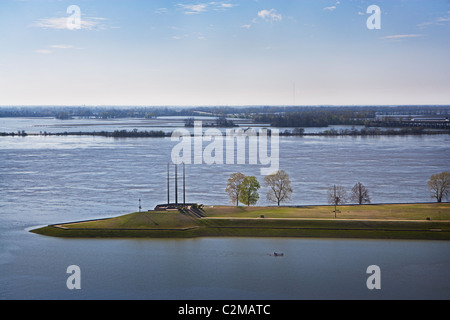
(45, 180)
(225, 269)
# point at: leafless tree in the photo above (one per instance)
(439, 185)
(336, 196)
(279, 187)
(360, 194)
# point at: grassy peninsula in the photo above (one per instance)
(428, 221)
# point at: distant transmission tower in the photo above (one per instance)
(293, 94)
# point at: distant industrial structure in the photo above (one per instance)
(411, 122)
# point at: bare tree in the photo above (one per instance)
(336, 196)
(360, 194)
(439, 185)
(234, 186)
(280, 187)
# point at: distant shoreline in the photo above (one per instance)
(161, 134)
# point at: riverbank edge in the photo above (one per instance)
(257, 227)
(245, 233)
(161, 134)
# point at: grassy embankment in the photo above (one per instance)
(399, 221)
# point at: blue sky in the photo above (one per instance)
(240, 52)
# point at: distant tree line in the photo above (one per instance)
(316, 118)
(362, 132)
(373, 132)
(278, 116)
(18, 133)
(220, 122)
(115, 134)
(138, 134)
(287, 132)
(63, 115)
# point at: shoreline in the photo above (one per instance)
(175, 225)
(162, 134)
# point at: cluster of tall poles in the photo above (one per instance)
(176, 184)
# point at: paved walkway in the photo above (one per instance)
(324, 219)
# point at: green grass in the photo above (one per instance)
(421, 211)
(404, 221)
(145, 220)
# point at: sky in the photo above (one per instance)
(224, 53)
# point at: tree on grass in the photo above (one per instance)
(336, 196)
(439, 185)
(279, 187)
(360, 194)
(234, 186)
(248, 192)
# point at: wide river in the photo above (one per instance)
(46, 180)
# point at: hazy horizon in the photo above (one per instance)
(225, 106)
